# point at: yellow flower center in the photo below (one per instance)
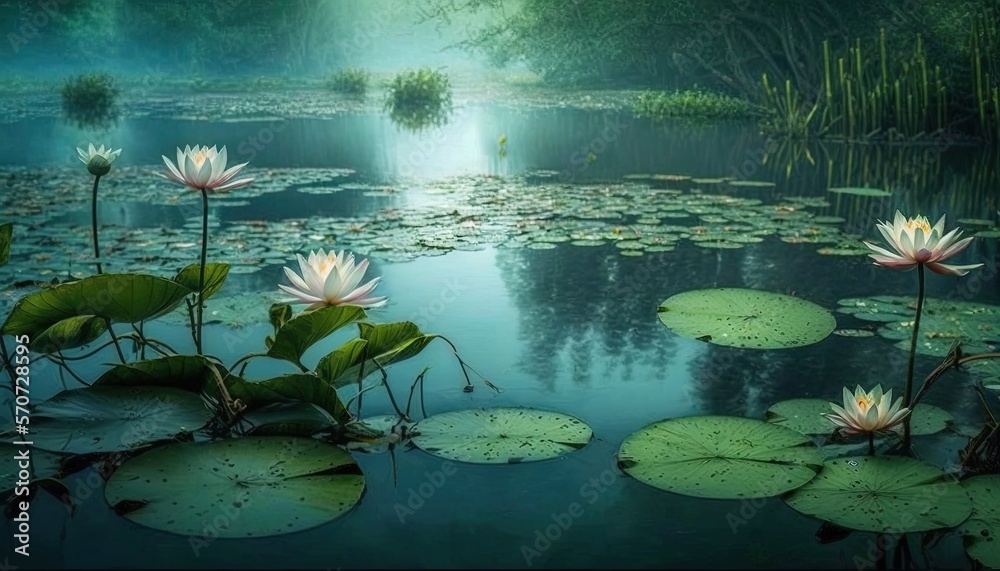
(863, 404)
(199, 158)
(920, 222)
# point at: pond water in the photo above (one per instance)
(567, 328)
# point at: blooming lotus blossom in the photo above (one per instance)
(916, 242)
(98, 161)
(204, 168)
(868, 412)
(331, 279)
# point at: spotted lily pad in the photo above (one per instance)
(806, 416)
(981, 530)
(859, 191)
(115, 418)
(500, 435)
(886, 494)
(720, 457)
(746, 318)
(250, 487)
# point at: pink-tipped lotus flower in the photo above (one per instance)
(916, 242)
(204, 168)
(868, 412)
(331, 279)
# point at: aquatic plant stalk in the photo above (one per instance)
(201, 270)
(93, 224)
(871, 443)
(907, 393)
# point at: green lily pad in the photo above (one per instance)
(802, 415)
(251, 487)
(500, 435)
(927, 419)
(980, 531)
(746, 318)
(859, 191)
(854, 333)
(752, 183)
(720, 457)
(806, 416)
(885, 494)
(113, 419)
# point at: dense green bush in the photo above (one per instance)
(91, 99)
(350, 81)
(418, 99)
(693, 104)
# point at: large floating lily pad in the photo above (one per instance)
(860, 191)
(251, 487)
(501, 435)
(806, 416)
(981, 530)
(802, 415)
(746, 318)
(720, 457)
(889, 494)
(115, 418)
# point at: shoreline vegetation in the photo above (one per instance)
(811, 72)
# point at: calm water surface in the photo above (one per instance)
(570, 329)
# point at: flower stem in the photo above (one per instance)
(93, 224)
(913, 354)
(871, 443)
(201, 273)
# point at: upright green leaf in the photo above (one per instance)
(69, 334)
(296, 335)
(387, 343)
(215, 276)
(127, 298)
(188, 372)
(279, 314)
(333, 365)
(288, 388)
(6, 235)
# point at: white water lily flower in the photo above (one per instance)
(916, 242)
(331, 279)
(204, 168)
(98, 161)
(868, 412)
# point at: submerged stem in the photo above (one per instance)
(908, 392)
(871, 443)
(93, 224)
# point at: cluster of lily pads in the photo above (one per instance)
(796, 452)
